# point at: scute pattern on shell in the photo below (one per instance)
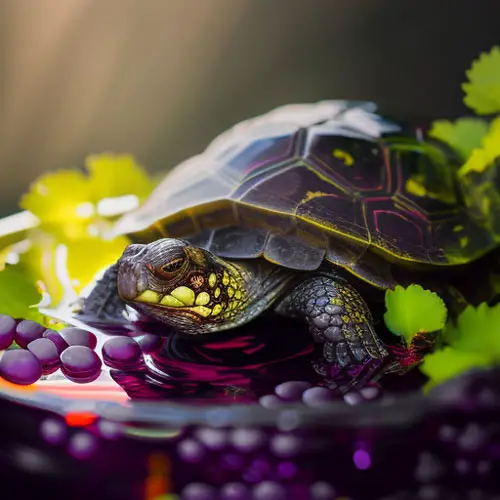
(333, 175)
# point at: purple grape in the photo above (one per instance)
(82, 445)
(122, 353)
(270, 401)
(285, 445)
(317, 396)
(353, 398)
(79, 337)
(20, 367)
(190, 451)
(27, 331)
(322, 491)
(247, 440)
(234, 491)
(292, 390)
(80, 364)
(53, 431)
(198, 491)
(213, 439)
(58, 341)
(149, 342)
(46, 352)
(7, 331)
(269, 490)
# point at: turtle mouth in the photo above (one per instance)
(181, 299)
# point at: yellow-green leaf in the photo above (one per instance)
(483, 157)
(66, 202)
(464, 135)
(117, 175)
(447, 363)
(81, 268)
(477, 330)
(38, 264)
(482, 91)
(18, 295)
(412, 310)
(62, 201)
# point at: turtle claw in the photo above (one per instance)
(349, 379)
(338, 317)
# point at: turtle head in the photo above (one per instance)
(187, 287)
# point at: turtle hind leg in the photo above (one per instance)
(339, 318)
(103, 303)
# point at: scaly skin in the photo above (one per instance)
(197, 293)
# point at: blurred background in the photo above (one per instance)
(161, 78)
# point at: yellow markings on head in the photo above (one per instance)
(216, 310)
(170, 301)
(184, 294)
(230, 291)
(203, 299)
(225, 278)
(464, 241)
(217, 293)
(149, 297)
(212, 280)
(202, 310)
(457, 229)
(237, 295)
(340, 154)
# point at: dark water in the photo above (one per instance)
(240, 365)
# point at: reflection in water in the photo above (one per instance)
(237, 366)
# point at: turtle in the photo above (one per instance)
(296, 212)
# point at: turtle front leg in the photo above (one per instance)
(103, 303)
(338, 317)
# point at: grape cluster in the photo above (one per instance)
(32, 350)
(295, 391)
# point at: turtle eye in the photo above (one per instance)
(173, 266)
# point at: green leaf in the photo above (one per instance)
(483, 157)
(473, 342)
(19, 296)
(57, 199)
(464, 135)
(117, 175)
(482, 92)
(66, 201)
(447, 363)
(413, 310)
(81, 269)
(67, 205)
(477, 330)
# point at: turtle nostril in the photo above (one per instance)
(131, 280)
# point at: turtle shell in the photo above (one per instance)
(304, 183)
